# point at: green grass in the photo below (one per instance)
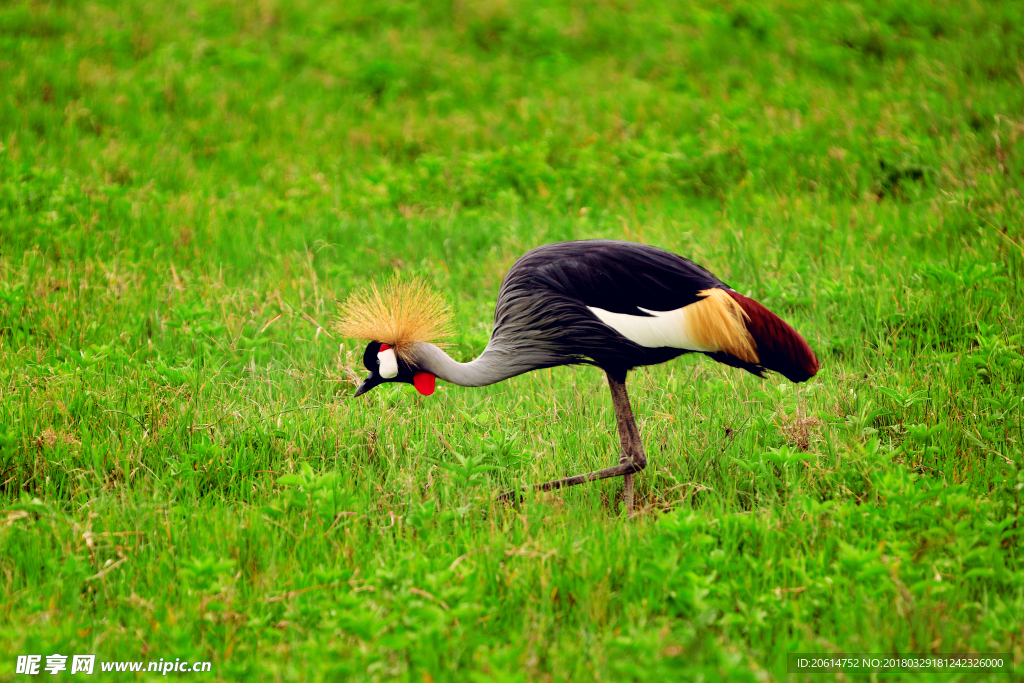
(185, 189)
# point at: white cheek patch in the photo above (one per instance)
(388, 364)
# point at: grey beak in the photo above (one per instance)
(368, 383)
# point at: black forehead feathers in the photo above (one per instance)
(370, 356)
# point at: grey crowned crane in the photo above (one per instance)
(616, 305)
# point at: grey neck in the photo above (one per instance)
(493, 365)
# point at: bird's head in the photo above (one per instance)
(385, 366)
(404, 313)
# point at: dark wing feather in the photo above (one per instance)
(542, 318)
(621, 277)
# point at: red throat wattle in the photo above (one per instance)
(424, 383)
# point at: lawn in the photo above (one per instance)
(187, 190)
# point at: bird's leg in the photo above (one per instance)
(624, 418)
(628, 482)
(632, 459)
(629, 436)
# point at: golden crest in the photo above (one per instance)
(400, 313)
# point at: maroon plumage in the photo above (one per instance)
(779, 346)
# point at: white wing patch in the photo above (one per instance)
(663, 329)
(715, 323)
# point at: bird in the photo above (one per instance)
(612, 304)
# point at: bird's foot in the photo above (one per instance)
(515, 496)
(626, 468)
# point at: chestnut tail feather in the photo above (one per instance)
(779, 346)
